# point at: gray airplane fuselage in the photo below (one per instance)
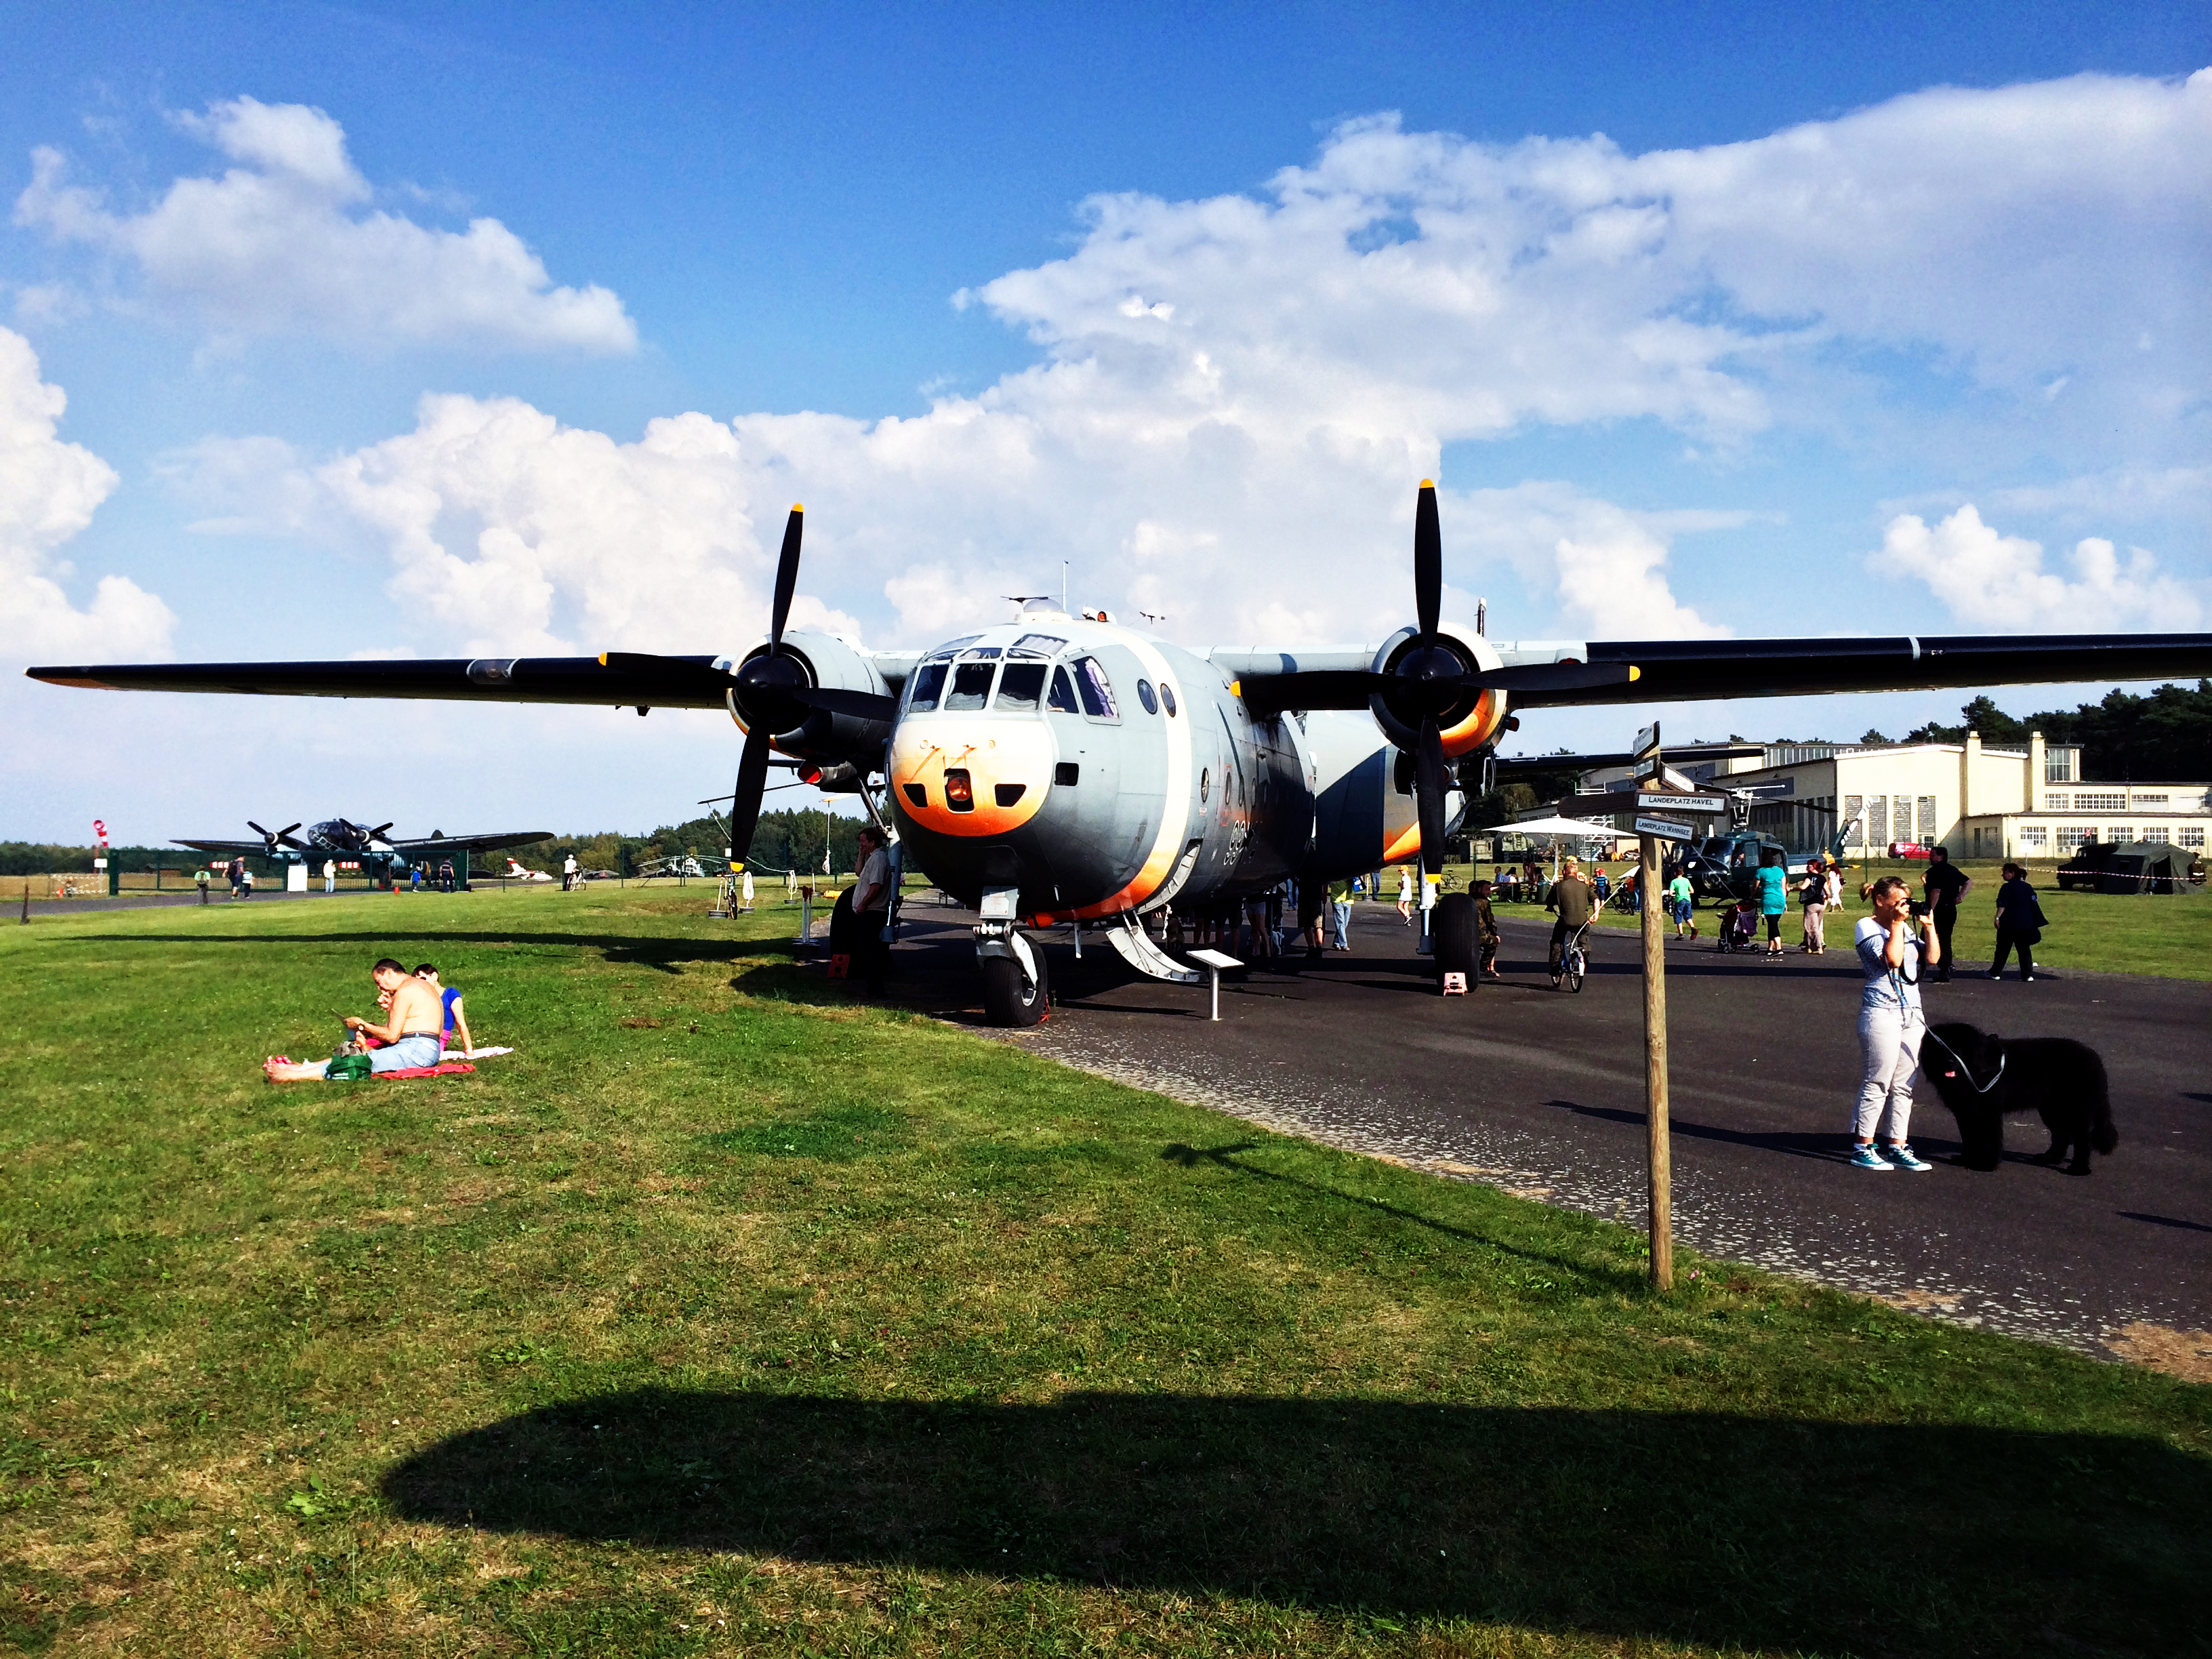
(1101, 771)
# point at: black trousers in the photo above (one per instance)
(2008, 942)
(871, 955)
(1946, 918)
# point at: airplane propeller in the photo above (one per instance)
(1427, 680)
(274, 838)
(771, 690)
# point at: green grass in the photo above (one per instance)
(2168, 937)
(824, 1329)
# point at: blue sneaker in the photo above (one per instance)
(1865, 1157)
(1903, 1158)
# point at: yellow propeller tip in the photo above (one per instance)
(603, 659)
(1634, 672)
(799, 507)
(1428, 483)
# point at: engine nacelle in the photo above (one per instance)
(1471, 721)
(822, 736)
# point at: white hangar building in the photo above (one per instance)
(1977, 800)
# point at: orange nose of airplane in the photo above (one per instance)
(971, 778)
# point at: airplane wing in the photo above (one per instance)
(629, 682)
(470, 844)
(1674, 671)
(250, 848)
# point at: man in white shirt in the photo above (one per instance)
(871, 905)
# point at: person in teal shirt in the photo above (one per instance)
(1682, 899)
(1769, 890)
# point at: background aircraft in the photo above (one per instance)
(1067, 769)
(348, 843)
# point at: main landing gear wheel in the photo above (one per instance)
(1456, 937)
(1010, 1000)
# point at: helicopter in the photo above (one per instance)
(1067, 770)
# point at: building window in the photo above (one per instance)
(2100, 803)
(1927, 836)
(1853, 807)
(2121, 832)
(2056, 803)
(2074, 834)
(1878, 821)
(2035, 835)
(2156, 832)
(2150, 800)
(2058, 766)
(2192, 838)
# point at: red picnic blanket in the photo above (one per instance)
(443, 1069)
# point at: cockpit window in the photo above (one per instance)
(1063, 693)
(1097, 692)
(928, 685)
(1020, 687)
(1049, 645)
(971, 685)
(951, 646)
(984, 653)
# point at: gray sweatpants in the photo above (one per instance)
(1889, 1055)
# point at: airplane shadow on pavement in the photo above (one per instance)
(1764, 1533)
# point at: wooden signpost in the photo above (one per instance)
(1658, 1156)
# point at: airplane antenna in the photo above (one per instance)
(1481, 618)
(1063, 584)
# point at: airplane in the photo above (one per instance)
(1065, 770)
(354, 843)
(518, 872)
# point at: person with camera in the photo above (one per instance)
(1895, 945)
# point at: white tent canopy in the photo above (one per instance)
(1555, 829)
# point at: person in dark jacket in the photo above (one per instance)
(2020, 924)
(1485, 930)
(1944, 886)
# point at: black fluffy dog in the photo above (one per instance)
(1982, 1076)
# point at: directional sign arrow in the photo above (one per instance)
(1665, 829)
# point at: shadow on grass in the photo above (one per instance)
(1768, 1533)
(1628, 1280)
(620, 949)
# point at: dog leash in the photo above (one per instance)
(1980, 1088)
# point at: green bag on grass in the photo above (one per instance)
(348, 1068)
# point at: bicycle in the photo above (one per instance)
(1574, 961)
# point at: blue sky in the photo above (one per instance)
(1719, 417)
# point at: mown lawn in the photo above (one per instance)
(726, 1316)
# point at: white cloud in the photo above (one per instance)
(1998, 583)
(285, 242)
(507, 531)
(1235, 397)
(49, 491)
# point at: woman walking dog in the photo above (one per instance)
(1893, 946)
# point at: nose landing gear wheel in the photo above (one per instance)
(1010, 1000)
(1455, 934)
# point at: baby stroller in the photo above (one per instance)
(1738, 928)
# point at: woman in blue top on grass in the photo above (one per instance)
(1770, 886)
(449, 1003)
(1891, 1023)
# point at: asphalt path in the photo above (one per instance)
(1541, 1092)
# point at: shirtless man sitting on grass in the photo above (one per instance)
(410, 1033)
